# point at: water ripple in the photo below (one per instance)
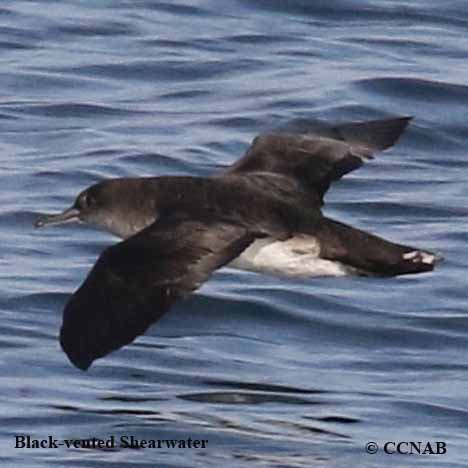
(272, 372)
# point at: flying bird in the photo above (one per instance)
(262, 213)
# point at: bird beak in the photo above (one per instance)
(67, 216)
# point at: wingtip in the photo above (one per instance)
(394, 129)
(74, 354)
(82, 365)
(376, 134)
(405, 120)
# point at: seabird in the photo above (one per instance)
(263, 213)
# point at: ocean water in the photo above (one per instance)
(271, 372)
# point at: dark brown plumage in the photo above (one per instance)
(178, 230)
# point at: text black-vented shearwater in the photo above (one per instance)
(263, 214)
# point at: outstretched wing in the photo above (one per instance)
(316, 160)
(134, 283)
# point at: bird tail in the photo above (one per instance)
(369, 254)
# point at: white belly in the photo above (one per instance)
(296, 257)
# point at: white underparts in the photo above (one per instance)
(296, 257)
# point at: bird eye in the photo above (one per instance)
(86, 201)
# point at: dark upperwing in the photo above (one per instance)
(134, 282)
(316, 160)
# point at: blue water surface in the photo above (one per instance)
(272, 372)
